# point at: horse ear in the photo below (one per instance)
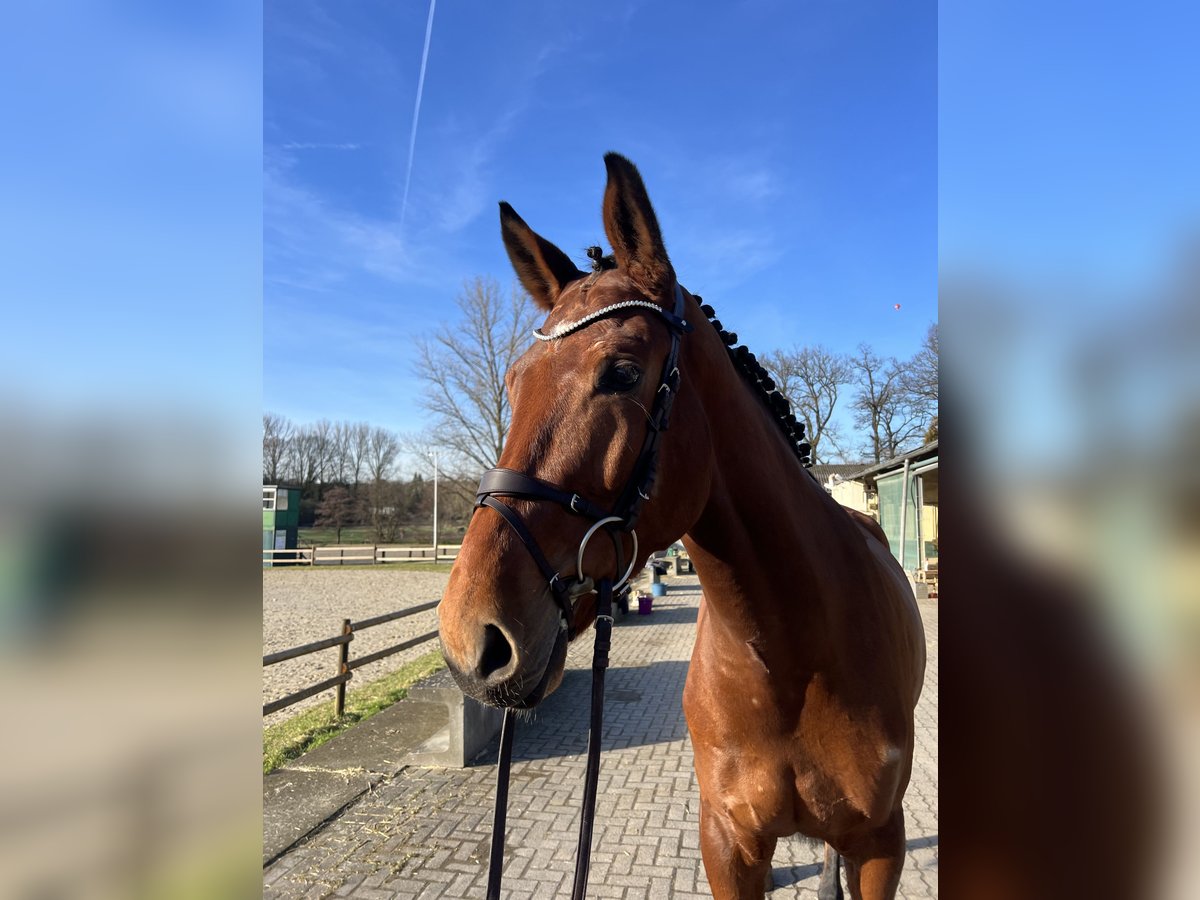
(632, 228)
(542, 268)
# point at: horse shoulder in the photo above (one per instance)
(902, 599)
(869, 525)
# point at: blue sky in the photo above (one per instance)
(1067, 139)
(807, 161)
(790, 150)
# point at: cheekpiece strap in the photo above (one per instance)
(641, 485)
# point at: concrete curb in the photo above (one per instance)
(299, 798)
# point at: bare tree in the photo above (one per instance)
(811, 377)
(383, 447)
(884, 408)
(358, 447)
(387, 507)
(464, 365)
(418, 448)
(921, 375)
(310, 451)
(349, 446)
(339, 453)
(457, 486)
(277, 436)
(321, 435)
(337, 509)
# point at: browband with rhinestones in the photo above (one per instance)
(566, 328)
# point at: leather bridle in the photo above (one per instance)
(566, 590)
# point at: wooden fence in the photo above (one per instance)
(358, 555)
(345, 665)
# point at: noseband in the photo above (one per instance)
(566, 590)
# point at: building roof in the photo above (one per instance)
(823, 471)
(896, 462)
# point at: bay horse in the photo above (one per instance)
(809, 655)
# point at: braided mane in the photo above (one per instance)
(759, 379)
(743, 360)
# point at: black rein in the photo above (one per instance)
(499, 482)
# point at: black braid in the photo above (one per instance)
(763, 385)
(600, 262)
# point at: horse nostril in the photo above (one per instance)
(497, 652)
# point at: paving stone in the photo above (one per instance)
(425, 833)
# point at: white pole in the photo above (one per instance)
(435, 499)
(903, 513)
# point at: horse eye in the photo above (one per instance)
(620, 377)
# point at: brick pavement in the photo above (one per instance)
(425, 833)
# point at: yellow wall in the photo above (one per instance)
(852, 494)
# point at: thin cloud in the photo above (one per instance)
(757, 184)
(412, 141)
(308, 145)
(311, 239)
(459, 188)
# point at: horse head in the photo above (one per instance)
(585, 399)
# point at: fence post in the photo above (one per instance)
(339, 704)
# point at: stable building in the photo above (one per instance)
(902, 495)
(281, 522)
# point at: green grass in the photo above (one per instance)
(305, 731)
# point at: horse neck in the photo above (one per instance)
(767, 543)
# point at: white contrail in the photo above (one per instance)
(412, 141)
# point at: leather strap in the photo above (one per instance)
(501, 482)
(604, 623)
(641, 484)
(557, 586)
(500, 813)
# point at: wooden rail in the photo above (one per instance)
(355, 554)
(304, 649)
(297, 556)
(346, 665)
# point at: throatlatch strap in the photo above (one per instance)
(604, 623)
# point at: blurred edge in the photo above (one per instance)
(130, 616)
(130, 607)
(1069, 218)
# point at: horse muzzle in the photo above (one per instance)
(498, 669)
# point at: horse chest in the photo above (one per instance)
(777, 785)
(782, 765)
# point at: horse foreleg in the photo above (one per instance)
(874, 861)
(830, 886)
(737, 861)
